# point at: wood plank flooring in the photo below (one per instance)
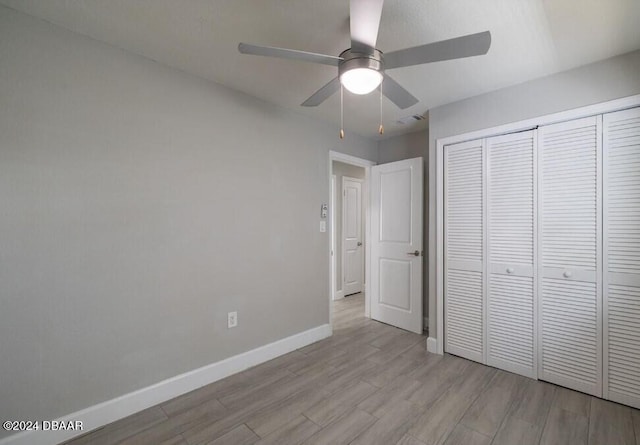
(371, 383)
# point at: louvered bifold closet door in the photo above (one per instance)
(621, 159)
(464, 250)
(570, 304)
(511, 228)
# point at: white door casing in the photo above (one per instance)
(332, 215)
(621, 256)
(464, 250)
(396, 234)
(511, 252)
(570, 303)
(352, 236)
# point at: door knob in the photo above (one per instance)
(567, 274)
(510, 270)
(415, 253)
(359, 244)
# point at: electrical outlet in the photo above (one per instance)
(232, 319)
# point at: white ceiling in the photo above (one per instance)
(530, 38)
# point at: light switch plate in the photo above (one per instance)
(232, 319)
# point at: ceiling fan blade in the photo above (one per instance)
(284, 53)
(396, 93)
(365, 21)
(323, 93)
(457, 48)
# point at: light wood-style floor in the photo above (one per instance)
(374, 384)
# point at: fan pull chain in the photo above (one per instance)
(381, 128)
(341, 113)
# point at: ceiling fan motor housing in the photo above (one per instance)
(352, 60)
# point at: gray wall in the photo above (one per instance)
(138, 206)
(407, 146)
(599, 82)
(340, 169)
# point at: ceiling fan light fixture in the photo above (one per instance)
(361, 73)
(361, 80)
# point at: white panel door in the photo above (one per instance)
(352, 251)
(570, 304)
(464, 250)
(511, 246)
(622, 256)
(396, 244)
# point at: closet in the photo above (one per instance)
(542, 253)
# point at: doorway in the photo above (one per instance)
(348, 259)
(391, 198)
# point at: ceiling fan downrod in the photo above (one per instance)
(341, 112)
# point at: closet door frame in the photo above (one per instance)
(436, 193)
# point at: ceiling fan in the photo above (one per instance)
(362, 68)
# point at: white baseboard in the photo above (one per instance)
(432, 345)
(338, 295)
(104, 413)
